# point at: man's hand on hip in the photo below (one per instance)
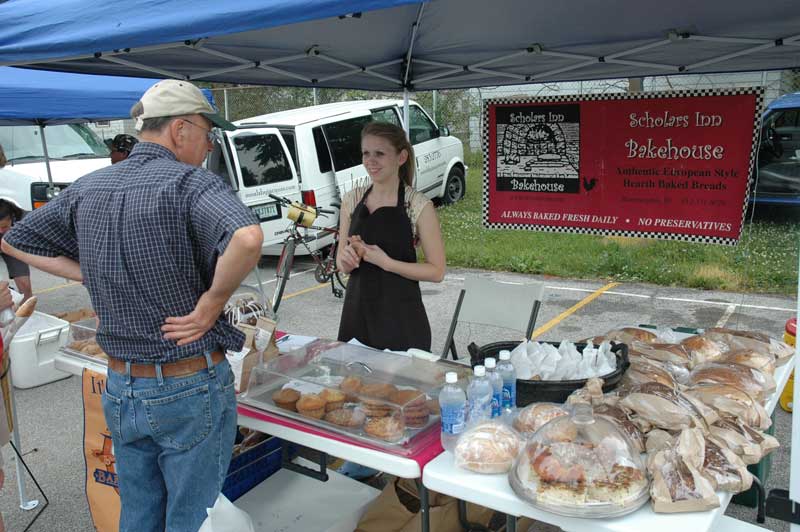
(192, 327)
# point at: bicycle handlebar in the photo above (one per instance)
(287, 202)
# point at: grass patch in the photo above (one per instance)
(764, 261)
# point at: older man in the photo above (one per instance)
(161, 244)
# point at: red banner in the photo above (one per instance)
(665, 165)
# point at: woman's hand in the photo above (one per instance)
(348, 259)
(375, 255)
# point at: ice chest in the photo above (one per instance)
(34, 348)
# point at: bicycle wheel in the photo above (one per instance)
(282, 272)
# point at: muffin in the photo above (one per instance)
(389, 428)
(334, 399)
(286, 399)
(311, 405)
(346, 417)
(351, 386)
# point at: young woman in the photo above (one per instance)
(17, 270)
(383, 222)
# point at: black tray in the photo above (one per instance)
(529, 391)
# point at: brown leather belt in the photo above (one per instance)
(179, 368)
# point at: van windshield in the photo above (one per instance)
(67, 141)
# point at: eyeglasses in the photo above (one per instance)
(209, 133)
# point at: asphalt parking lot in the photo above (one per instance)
(50, 416)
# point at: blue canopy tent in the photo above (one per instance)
(42, 98)
(399, 44)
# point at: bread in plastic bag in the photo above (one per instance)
(702, 349)
(732, 403)
(488, 448)
(757, 383)
(750, 444)
(760, 360)
(736, 339)
(643, 370)
(672, 353)
(725, 469)
(666, 408)
(534, 416)
(678, 484)
(623, 422)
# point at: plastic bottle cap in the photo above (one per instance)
(490, 363)
(505, 355)
(451, 377)
(480, 371)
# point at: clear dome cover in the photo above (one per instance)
(581, 465)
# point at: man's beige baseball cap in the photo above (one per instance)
(173, 97)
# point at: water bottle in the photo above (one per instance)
(479, 397)
(497, 386)
(453, 404)
(506, 371)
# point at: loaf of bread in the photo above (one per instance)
(488, 448)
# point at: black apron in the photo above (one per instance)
(382, 309)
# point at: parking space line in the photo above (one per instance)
(659, 298)
(54, 288)
(726, 316)
(574, 308)
(305, 291)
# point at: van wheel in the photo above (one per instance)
(456, 186)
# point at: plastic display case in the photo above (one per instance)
(381, 398)
(581, 465)
(81, 342)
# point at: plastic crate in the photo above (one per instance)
(761, 470)
(253, 466)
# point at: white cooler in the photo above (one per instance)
(34, 348)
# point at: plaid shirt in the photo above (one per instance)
(147, 233)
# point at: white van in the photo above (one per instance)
(74, 151)
(313, 155)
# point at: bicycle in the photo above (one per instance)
(302, 215)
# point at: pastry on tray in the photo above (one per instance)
(311, 405)
(346, 417)
(334, 399)
(351, 386)
(414, 405)
(286, 398)
(389, 428)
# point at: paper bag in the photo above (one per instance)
(388, 513)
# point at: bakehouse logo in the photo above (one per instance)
(538, 148)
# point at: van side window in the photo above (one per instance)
(323, 155)
(344, 139)
(422, 128)
(787, 119)
(387, 115)
(291, 145)
(262, 160)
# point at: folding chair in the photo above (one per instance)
(505, 305)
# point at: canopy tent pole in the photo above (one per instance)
(24, 502)
(46, 157)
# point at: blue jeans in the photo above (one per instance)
(173, 438)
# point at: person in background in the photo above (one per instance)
(120, 147)
(384, 221)
(162, 245)
(9, 215)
